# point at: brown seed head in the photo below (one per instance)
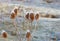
(37, 16)
(4, 35)
(28, 35)
(16, 11)
(32, 16)
(27, 16)
(13, 15)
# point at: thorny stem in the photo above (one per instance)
(18, 34)
(28, 39)
(30, 25)
(36, 25)
(14, 23)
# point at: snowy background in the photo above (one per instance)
(45, 26)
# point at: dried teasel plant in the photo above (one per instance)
(13, 16)
(4, 34)
(28, 35)
(31, 16)
(37, 16)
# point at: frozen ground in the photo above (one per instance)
(45, 26)
(40, 3)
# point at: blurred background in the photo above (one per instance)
(44, 3)
(45, 25)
